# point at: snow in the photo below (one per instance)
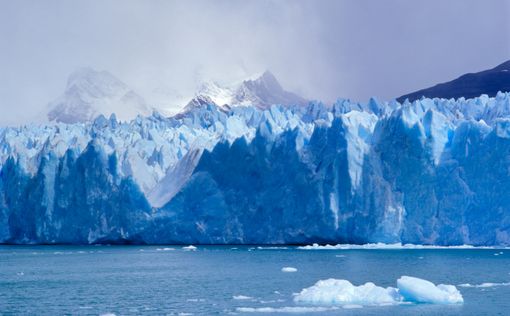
(333, 292)
(189, 248)
(289, 269)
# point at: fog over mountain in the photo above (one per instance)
(319, 50)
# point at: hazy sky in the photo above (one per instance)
(320, 49)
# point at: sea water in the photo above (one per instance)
(222, 280)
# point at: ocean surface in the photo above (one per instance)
(170, 280)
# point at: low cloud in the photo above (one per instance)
(320, 49)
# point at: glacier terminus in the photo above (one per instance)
(269, 168)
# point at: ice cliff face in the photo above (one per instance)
(434, 171)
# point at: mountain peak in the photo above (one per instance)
(469, 85)
(90, 93)
(264, 92)
(503, 67)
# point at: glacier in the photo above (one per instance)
(431, 171)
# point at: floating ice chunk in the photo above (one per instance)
(352, 306)
(386, 246)
(485, 284)
(242, 297)
(409, 290)
(286, 309)
(343, 292)
(165, 249)
(289, 269)
(189, 248)
(422, 291)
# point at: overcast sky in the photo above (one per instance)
(320, 49)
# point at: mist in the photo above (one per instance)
(319, 49)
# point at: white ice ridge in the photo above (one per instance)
(333, 292)
(189, 248)
(485, 284)
(289, 269)
(285, 309)
(389, 246)
(242, 297)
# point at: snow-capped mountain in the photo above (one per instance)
(90, 93)
(434, 171)
(264, 92)
(261, 92)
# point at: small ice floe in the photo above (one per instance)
(286, 309)
(108, 314)
(484, 285)
(289, 269)
(189, 248)
(408, 290)
(271, 301)
(272, 248)
(165, 249)
(20, 273)
(242, 297)
(385, 246)
(195, 300)
(340, 256)
(421, 258)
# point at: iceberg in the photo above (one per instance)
(422, 291)
(409, 290)
(342, 292)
